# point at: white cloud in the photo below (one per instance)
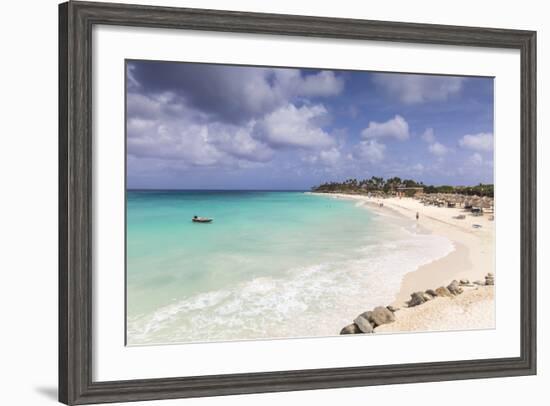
(239, 143)
(438, 149)
(136, 126)
(396, 127)
(417, 168)
(290, 126)
(132, 83)
(194, 144)
(478, 142)
(330, 157)
(291, 82)
(163, 141)
(412, 89)
(141, 106)
(371, 151)
(193, 139)
(429, 135)
(476, 159)
(165, 106)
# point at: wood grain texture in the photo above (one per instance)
(76, 20)
(63, 365)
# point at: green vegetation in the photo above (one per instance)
(380, 185)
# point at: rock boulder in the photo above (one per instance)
(455, 288)
(381, 315)
(363, 325)
(417, 298)
(351, 329)
(490, 279)
(443, 292)
(431, 292)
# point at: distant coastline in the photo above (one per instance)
(213, 190)
(379, 186)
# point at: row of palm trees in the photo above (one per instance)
(374, 183)
(390, 185)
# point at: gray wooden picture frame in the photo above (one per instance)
(76, 20)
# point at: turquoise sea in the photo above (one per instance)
(272, 264)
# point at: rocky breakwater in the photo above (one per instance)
(368, 321)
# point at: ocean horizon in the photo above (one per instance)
(272, 264)
(213, 190)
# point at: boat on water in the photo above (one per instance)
(197, 219)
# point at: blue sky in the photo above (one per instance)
(204, 126)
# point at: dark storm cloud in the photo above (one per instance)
(231, 94)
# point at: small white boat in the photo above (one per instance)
(196, 219)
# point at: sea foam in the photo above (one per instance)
(315, 300)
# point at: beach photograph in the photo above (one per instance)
(277, 203)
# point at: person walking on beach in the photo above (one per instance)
(417, 215)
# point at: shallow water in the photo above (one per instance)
(271, 264)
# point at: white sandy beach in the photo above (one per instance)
(472, 259)
(472, 310)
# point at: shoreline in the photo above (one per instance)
(472, 257)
